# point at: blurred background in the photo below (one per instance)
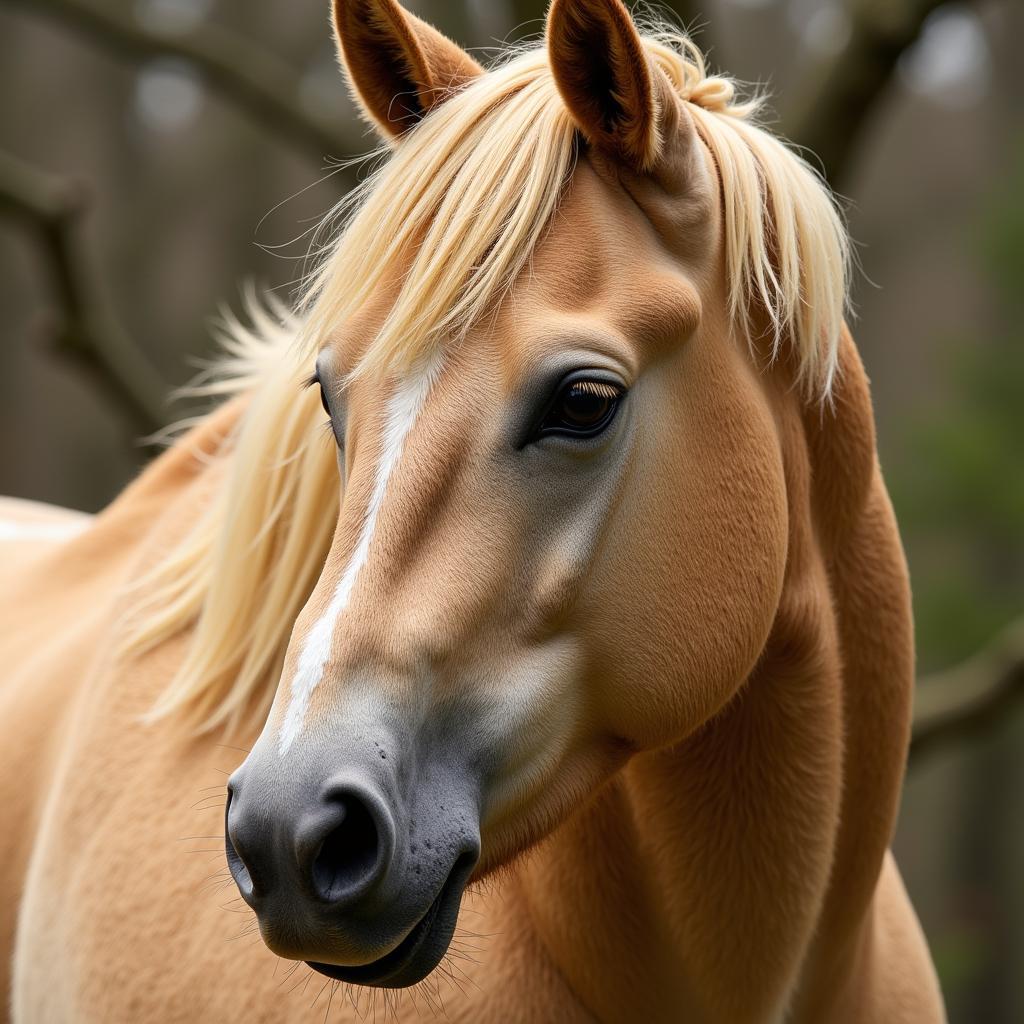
(156, 154)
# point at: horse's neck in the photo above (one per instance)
(691, 888)
(725, 873)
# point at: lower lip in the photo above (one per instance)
(404, 965)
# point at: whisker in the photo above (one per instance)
(330, 999)
(287, 974)
(300, 982)
(209, 804)
(320, 993)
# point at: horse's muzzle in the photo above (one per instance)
(349, 873)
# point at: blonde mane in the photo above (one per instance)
(460, 206)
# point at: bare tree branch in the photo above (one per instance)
(254, 80)
(969, 698)
(85, 331)
(836, 104)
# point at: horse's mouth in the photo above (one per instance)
(422, 949)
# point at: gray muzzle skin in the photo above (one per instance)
(353, 852)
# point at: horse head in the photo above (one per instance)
(552, 344)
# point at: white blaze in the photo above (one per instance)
(402, 411)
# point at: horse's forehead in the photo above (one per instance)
(601, 270)
(347, 341)
(601, 263)
(599, 241)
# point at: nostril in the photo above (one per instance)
(347, 861)
(236, 865)
(239, 872)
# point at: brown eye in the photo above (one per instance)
(581, 408)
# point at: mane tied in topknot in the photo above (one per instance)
(446, 224)
(681, 60)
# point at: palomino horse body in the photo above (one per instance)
(587, 599)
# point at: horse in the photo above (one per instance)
(529, 611)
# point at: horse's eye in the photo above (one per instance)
(323, 400)
(581, 408)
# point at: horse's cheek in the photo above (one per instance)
(698, 565)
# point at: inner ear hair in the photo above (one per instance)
(596, 82)
(399, 67)
(386, 67)
(605, 77)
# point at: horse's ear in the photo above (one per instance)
(399, 66)
(605, 77)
